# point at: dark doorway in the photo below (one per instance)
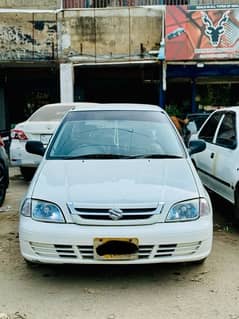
(117, 83)
(179, 96)
(26, 89)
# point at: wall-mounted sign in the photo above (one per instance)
(202, 32)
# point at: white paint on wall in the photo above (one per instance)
(66, 82)
(66, 41)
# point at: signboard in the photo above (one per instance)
(209, 32)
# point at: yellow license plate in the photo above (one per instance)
(116, 248)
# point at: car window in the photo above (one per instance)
(49, 113)
(226, 136)
(197, 118)
(125, 133)
(199, 121)
(208, 131)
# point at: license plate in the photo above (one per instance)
(116, 248)
(45, 138)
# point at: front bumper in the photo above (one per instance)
(73, 244)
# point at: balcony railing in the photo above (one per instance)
(74, 4)
(68, 4)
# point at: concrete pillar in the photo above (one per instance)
(67, 82)
(163, 84)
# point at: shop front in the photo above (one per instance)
(202, 56)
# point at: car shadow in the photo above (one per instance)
(223, 218)
(118, 275)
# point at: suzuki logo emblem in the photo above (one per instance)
(115, 213)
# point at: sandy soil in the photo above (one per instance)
(153, 291)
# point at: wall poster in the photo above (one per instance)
(202, 32)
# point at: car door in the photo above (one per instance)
(204, 161)
(224, 163)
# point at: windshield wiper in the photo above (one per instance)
(155, 156)
(116, 156)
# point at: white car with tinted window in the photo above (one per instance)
(39, 126)
(218, 165)
(115, 186)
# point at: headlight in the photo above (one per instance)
(42, 211)
(188, 210)
(25, 208)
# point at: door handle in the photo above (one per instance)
(212, 155)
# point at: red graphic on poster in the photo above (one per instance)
(199, 34)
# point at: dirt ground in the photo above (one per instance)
(151, 291)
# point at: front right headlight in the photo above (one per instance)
(42, 211)
(188, 210)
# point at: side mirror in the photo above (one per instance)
(35, 147)
(196, 147)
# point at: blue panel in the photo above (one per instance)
(192, 71)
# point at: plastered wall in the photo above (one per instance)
(30, 4)
(26, 36)
(80, 35)
(109, 34)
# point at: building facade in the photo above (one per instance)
(166, 52)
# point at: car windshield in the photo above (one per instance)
(115, 134)
(49, 113)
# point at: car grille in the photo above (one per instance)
(107, 215)
(86, 251)
(103, 214)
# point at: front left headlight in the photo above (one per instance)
(42, 211)
(46, 212)
(188, 210)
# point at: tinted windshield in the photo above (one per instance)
(49, 113)
(115, 134)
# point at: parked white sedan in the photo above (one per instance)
(40, 126)
(218, 164)
(116, 185)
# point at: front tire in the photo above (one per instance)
(236, 206)
(200, 262)
(30, 263)
(3, 184)
(27, 173)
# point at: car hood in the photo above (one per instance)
(114, 181)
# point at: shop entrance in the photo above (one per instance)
(204, 86)
(212, 95)
(136, 83)
(26, 89)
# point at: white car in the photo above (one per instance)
(217, 165)
(40, 126)
(115, 186)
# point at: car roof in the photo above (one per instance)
(198, 114)
(116, 106)
(69, 104)
(228, 108)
